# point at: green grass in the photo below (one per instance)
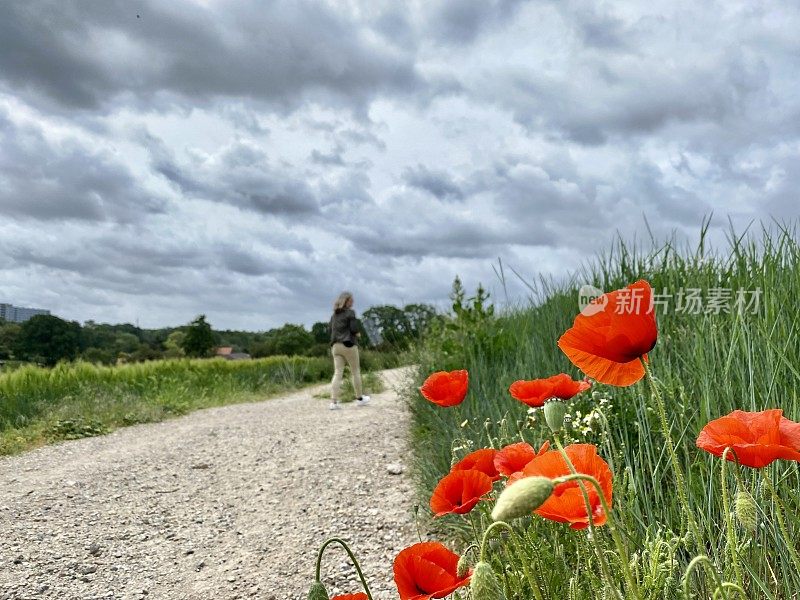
(707, 364)
(39, 405)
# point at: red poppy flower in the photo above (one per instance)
(459, 491)
(758, 438)
(480, 460)
(513, 458)
(535, 392)
(566, 504)
(427, 570)
(358, 596)
(609, 337)
(446, 389)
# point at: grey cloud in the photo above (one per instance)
(438, 183)
(668, 203)
(424, 141)
(119, 253)
(332, 158)
(348, 190)
(248, 261)
(454, 240)
(239, 174)
(630, 78)
(127, 262)
(280, 53)
(244, 118)
(461, 21)
(363, 137)
(598, 29)
(645, 98)
(45, 180)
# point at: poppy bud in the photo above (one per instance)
(522, 498)
(554, 411)
(745, 509)
(318, 592)
(462, 568)
(484, 584)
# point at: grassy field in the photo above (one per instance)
(708, 364)
(74, 400)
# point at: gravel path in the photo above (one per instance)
(224, 503)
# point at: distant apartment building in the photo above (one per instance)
(18, 314)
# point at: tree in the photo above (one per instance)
(199, 339)
(289, 340)
(387, 325)
(98, 355)
(9, 333)
(321, 332)
(126, 342)
(173, 345)
(48, 339)
(419, 317)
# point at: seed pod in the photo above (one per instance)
(554, 411)
(462, 568)
(746, 510)
(522, 498)
(484, 584)
(318, 592)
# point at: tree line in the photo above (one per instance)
(47, 339)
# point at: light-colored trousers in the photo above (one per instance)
(341, 355)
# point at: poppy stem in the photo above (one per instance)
(673, 455)
(733, 542)
(703, 560)
(344, 545)
(475, 535)
(782, 523)
(604, 568)
(621, 548)
(518, 548)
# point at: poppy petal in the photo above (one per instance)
(566, 504)
(535, 392)
(513, 458)
(427, 570)
(608, 344)
(459, 492)
(479, 460)
(446, 388)
(757, 438)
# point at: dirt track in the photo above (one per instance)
(224, 503)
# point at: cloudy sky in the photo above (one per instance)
(250, 159)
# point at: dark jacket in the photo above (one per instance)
(344, 326)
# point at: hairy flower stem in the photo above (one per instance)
(709, 567)
(518, 548)
(344, 545)
(604, 568)
(782, 523)
(676, 466)
(733, 542)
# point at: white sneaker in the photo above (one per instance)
(363, 401)
(335, 406)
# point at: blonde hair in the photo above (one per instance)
(341, 301)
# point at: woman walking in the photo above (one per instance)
(344, 348)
